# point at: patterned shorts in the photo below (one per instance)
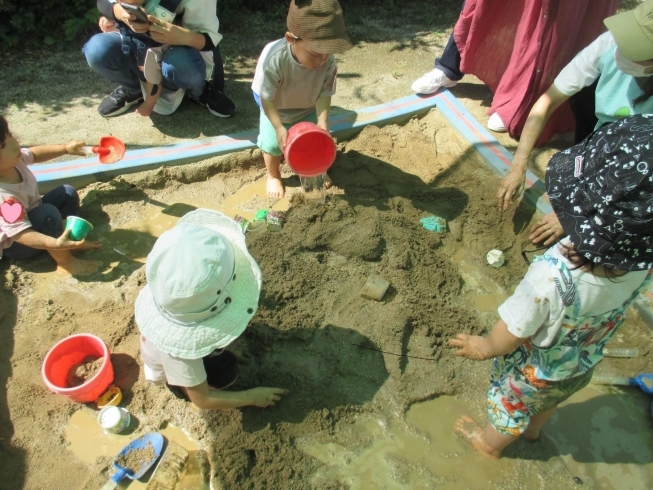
(514, 397)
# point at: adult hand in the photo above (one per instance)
(122, 15)
(74, 147)
(548, 229)
(511, 187)
(469, 346)
(266, 397)
(167, 33)
(282, 136)
(107, 25)
(65, 243)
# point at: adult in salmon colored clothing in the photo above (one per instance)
(517, 47)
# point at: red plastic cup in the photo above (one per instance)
(70, 351)
(310, 150)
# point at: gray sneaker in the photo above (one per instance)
(118, 102)
(431, 82)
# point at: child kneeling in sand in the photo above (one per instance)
(295, 78)
(30, 223)
(202, 290)
(572, 300)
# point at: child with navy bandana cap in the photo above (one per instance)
(573, 298)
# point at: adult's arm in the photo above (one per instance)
(513, 183)
(199, 26)
(581, 72)
(112, 10)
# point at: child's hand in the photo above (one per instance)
(266, 397)
(282, 136)
(74, 147)
(469, 346)
(65, 243)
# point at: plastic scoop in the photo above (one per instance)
(153, 439)
(644, 381)
(109, 150)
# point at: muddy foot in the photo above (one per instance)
(469, 430)
(89, 246)
(275, 187)
(79, 267)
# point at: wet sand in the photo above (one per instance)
(355, 417)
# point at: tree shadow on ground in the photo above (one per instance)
(61, 82)
(370, 181)
(321, 368)
(12, 458)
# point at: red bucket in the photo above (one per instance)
(70, 351)
(310, 150)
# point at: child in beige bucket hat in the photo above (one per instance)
(295, 78)
(202, 290)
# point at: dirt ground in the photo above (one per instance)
(313, 333)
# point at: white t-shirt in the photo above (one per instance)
(536, 310)
(293, 88)
(161, 367)
(26, 193)
(583, 70)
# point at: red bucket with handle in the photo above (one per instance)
(310, 150)
(69, 352)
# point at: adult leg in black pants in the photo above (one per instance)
(446, 72)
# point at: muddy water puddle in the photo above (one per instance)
(88, 442)
(603, 437)
(422, 453)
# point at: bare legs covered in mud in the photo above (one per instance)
(489, 442)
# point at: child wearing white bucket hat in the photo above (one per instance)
(202, 290)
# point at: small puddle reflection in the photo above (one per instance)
(88, 442)
(423, 455)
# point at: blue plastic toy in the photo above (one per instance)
(434, 223)
(155, 440)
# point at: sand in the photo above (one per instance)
(313, 334)
(311, 320)
(85, 370)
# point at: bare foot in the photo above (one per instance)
(79, 267)
(468, 429)
(275, 187)
(89, 246)
(327, 182)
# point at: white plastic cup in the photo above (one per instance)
(114, 419)
(495, 258)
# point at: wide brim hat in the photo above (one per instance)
(633, 32)
(602, 193)
(193, 335)
(320, 24)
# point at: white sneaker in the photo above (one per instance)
(496, 124)
(431, 82)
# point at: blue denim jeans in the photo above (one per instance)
(47, 218)
(182, 66)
